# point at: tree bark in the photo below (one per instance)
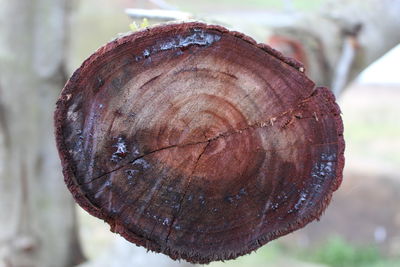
(197, 142)
(37, 219)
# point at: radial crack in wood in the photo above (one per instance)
(196, 142)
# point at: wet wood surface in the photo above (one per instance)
(197, 142)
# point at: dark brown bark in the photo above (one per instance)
(197, 142)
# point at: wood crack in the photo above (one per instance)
(185, 193)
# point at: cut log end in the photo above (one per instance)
(197, 142)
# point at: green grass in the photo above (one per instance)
(336, 252)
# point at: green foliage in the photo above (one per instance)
(134, 27)
(338, 253)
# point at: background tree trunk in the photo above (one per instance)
(335, 43)
(37, 219)
(343, 39)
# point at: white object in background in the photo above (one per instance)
(380, 234)
(157, 14)
(385, 70)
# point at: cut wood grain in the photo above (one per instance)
(197, 142)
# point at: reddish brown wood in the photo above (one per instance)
(197, 142)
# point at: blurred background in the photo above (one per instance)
(349, 46)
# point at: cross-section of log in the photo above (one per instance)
(197, 142)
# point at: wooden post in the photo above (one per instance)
(196, 142)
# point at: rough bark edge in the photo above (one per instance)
(80, 198)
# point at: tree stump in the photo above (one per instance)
(196, 142)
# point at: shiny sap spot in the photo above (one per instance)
(121, 150)
(198, 37)
(300, 202)
(141, 163)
